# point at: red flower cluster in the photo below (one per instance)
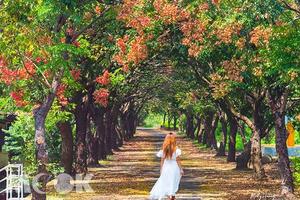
(204, 7)
(133, 17)
(60, 93)
(104, 79)
(170, 12)
(136, 53)
(101, 96)
(138, 50)
(121, 43)
(8, 75)
(2, 62)
(140, 23)
(75, 73)
(28, 71)
(18, 97)
(98, 10)
(225, 34)
(193, 31)
(76, 43)
(215, 2)
(262, 34)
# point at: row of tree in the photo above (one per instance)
(57, 66)
(233, 61)
(101, 61)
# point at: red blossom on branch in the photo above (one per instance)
(138, 50)
(125, 68)
(193, 31)
(60, 93)
(101, 96)
(136, 53)
(204, 6)
(215, 2)
(260, 34)
(225, 34)
(70, 31)
(75, 73)
(38, 59)
(134, 18)
(104, 79)
(8, 75)
(28, 71)
(76, 43)
(121, 43)
(170, 12)
(98, 10)
(18, 97)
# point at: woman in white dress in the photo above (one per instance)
(170, 170)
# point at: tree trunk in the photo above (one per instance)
(241, 130)
(132, 124)
(256, 155)
(201, 131)
(80, 113)
(66, 146)
(255, 140)
(232, 139)
(278, 107)
(114, 122)
(189, 125)
(41, 154)
(175, 122)
(207, 127)
(92, 144)
(120, 137)
(164, 120)
(100, 132)
(243, 159)
(123, 126)
(108, 134)
(287, 184)
(40, 114)
(197, 127)
(222, 148)
(211, 140)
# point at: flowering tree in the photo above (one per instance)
(109, 60)
(223, 42)
(240, 34)
(40, 46)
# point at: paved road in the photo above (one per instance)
(131, 172)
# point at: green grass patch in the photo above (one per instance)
(107, 161)
(152, 120)
(295, 161)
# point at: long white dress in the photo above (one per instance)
(168, 182)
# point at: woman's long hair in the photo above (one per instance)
(169, 145)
